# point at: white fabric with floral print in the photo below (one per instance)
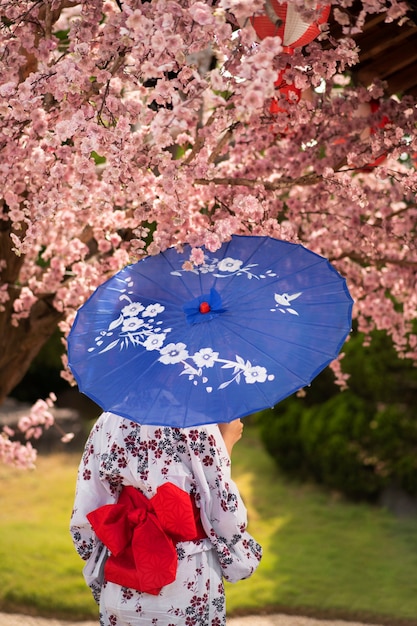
(120, 452)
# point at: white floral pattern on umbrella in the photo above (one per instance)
(137, 326)
(146, 331)
(164, 344)
(226, 267)
(283, 302)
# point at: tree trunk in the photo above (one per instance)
(20, 344)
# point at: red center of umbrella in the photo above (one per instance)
(204, 307)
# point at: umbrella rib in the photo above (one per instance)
(187, 405)
(156, 281)
(330, 357)
(275, 282)
(282, 314)
(304, 289)
(230, 323)
(260, 390)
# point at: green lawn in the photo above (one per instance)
(322, 556)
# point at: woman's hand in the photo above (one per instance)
(231, 433)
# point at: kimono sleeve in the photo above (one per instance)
(223, 513)
(90, 493)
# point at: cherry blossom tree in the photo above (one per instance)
(128, 127)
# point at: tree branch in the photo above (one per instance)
(221, 143)
(382, 262)
(284, 183)
(199, 143)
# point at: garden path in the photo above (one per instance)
(9, 619)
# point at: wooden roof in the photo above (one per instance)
(387, 51)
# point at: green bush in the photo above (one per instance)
(327, 442)
(357, 441)
(280, 431)
(346, 444)
(336, 438)
(394, 440)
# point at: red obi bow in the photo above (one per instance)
(141, 534)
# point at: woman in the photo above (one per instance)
(124, 461)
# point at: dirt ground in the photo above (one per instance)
(9, 619)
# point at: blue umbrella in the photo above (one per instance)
(256, 322)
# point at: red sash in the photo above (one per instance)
(141, 534)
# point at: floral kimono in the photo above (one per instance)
(121, 455)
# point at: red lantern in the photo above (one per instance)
(291, 93)
(289, 24)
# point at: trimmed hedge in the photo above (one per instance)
(345, 445)
(358, 441)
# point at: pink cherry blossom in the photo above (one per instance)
(130, 128)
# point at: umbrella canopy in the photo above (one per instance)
(167, 346)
